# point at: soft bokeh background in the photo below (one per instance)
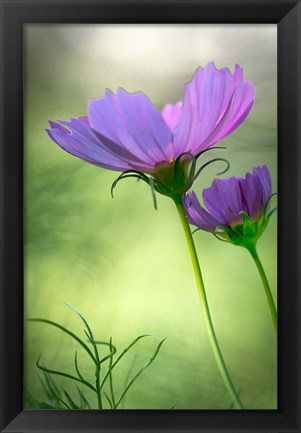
(124, 265)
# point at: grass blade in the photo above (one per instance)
(73, 405)
(46, 390)
(33, 403)
(127, 378)
(83, 401)
(82, 318)
(76, 367)
(105, 343)
(232, 404)
(90, 337)
(139, 373)
(52, 392)
(75, 337)
(108, 399)
(60, 373)
(121, 356)
(52, 386)
(111, 376)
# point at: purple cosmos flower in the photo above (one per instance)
(125, 132)
(236, 207)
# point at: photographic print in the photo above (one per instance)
(150, 217)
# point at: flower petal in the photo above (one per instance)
(223, 200)
(197, 215)
(171, 113)
(76, 137)
(238, 109)
(215, 103)
(263, 174)
(131, 121)
(256, 189)
(251, 198)
(226, 198)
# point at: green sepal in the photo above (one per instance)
(262, 224)
(208, 150)
(234, 236)
(174, 179)
(268, 202)
(164, 175)
(220, 238)
(178, 174)
(171, 178)
(184, 169)
(126, 174)
(152, 187)
(153, 183)
(248, 232)
(237, 235)
(266, 215)
(248, 228)
(271, 212)
(192, 172)
(209, 163)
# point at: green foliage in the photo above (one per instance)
(103, 377)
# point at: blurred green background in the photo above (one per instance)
(124, 265)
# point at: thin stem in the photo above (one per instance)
(205, 308)
(98, 391)
(111, 377)
(97, 370)
(267, 289)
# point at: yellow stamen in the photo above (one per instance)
(172, 160)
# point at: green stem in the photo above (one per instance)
(268, 293)
(98, 390)
(97, 374)
(111, 376)
(205, 308)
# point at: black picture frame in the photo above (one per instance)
(287, 15)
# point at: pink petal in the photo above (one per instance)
(171, 113)
(215, 103)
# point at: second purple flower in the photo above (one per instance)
(237, 207)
